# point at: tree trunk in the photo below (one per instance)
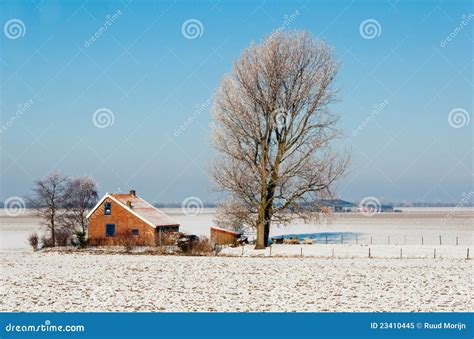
(260, 244)
(263, 227)
(53, 236)
(83, 225)
(266, 232)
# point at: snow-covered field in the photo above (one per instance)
(88, 282)
(256, 280)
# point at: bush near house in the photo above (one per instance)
(33, 240)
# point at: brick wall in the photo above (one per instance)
(222, 238)
(124, 222)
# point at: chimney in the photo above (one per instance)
(133, 193)
(129, 204)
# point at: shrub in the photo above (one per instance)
(47, 242)
(101, 241)
(202, 247)
(62, 237)
(81, 238)
(33, 240)
(196, 246)
(166, 239)
(125, 239)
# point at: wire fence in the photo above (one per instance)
(352, 251)
(374, 239)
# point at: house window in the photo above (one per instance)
(135, 231)
(107, 208)
(109, 230)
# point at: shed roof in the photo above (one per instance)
(219, 229)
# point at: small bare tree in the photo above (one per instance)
(80, 195)
(48, 200)
(274, 133)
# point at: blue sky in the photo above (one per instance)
(158, 85)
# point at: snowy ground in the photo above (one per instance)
(250, 281)
(92, 282)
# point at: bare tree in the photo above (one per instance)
(48, 199)
(274, 133)
(80, 195)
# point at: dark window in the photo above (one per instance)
(109, 230)
(135, 231)
(108, 208)
(168, 229)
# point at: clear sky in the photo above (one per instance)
(150, 76)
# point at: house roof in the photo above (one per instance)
(140, 208)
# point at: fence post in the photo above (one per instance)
(371, 240)
(422, 242)
(434, 254)
(243, 245)
(401, 255)
(457, 242)
(467, 257)
(161, 242)
(326, 239)
(342, 239)
(440, 240)
(333, 252)
(301, 252)
(270, 251)
(369, 253)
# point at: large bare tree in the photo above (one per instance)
(274, 133)
(48, 200)
(80, 196)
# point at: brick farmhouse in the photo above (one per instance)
(127, 214)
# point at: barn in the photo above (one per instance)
(221, 236)
(127, 214)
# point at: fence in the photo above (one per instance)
(402, 247)
(381, 239)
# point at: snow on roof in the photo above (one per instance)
(141, 208)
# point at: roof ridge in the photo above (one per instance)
(156, 209)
